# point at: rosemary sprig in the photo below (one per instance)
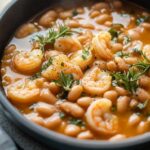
(65, 81)
(52, 35)
(128, 80)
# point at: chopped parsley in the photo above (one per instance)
(62, 115)
(114, 33)
(77, 122)
(122, 54)
(52, 35)
(85, 54)
(126, 40)
(142, 106)
(65, 81)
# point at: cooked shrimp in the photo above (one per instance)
(101, 45)
(146, 51)
(28, 62)
(23, 91)
(61, 63)
(96, 82)
(99, 117)
(67, 44)
(82, 58)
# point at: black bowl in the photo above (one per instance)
(16, 13)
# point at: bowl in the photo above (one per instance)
(16, 13)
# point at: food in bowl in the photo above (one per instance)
(83, 72)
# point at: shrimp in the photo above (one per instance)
(61, 63)
(67, 44)
(101, 45)
(146, 51)
(23, 91)
(28, 62)
(100, 118)
(96, 82)
(82, 58)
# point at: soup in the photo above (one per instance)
(83, 72)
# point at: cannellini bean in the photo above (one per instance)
(72, 109)
(131, 60)
(121, 63)
(100, 6)
(88, 26)
(146, 25)
(116, 47)
(103, 18)
(142, 95)
(47, 19)
(72, 130)
(65, 14)
(45, 109)
(51, 53)
(53, 121)
(133, 103)
(73, 24)
(84, 101)
(94, 13)
(121, 91)
(85, 135)
(112, 95)
(133, 34)
(117, 138)
(122, 104)
(26, 30)
(47, 96)
(144, 81)
(75, 93)
(38, 120)
(134, 119)
(143, 127)
(54, 88)
(112, 66)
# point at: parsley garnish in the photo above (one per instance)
(77, 122)
(122, 54)
(142, 106)
(62, 115)
(85, 54)
(52, 35)
(127, 80)
(142, 19)
(65, 81)
(126, 40)
(74, 12)
(114, 33)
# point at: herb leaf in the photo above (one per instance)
(52, 35)
(114, 33)
(85, 53)
(78, 122)
(127, 80)
(142, 106)
(65, 81)
(126, 40)
(122, 54)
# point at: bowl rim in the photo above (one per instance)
(60, 138)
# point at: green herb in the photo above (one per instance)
(47, 64)
(144, 65)
(44, 67)
(114, 108)
(142, 19)
(77, 122)
(122, 54)
(114, 33)
(65, 81)
(126, 40)
(62, 115)
(127, 80)
(52, 35)
(137, 50)
(142, 106)
(85, 54)
(74, 12)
